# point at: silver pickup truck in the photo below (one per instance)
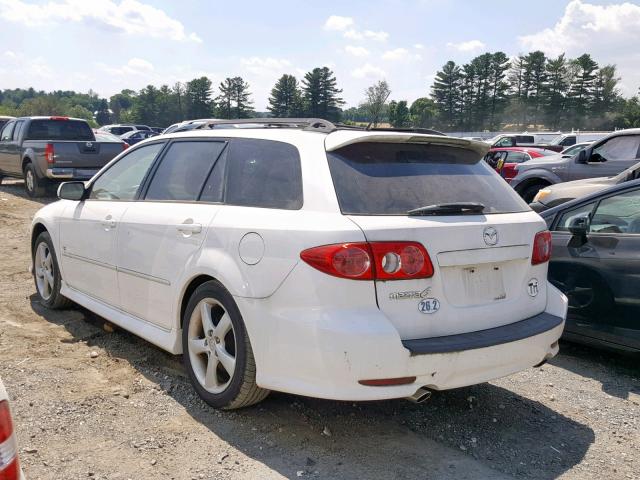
(606, 157)
(45, 150)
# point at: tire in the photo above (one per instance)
(33, 186)
(46, 274)
(530, 192)
(208, 350)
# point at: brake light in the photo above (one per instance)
(371, 260)
(58, 118)
(9, 469)
(49, 153)
(125, 145)
(541, 248)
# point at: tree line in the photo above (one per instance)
(491, 92)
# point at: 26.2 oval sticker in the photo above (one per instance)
(429, 305)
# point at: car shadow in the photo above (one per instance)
(483, 431)
(16, 188)
(616, 371)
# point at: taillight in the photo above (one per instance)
(9, 469)
(125, 145)
(49, 153)
(371, 260)
(541, 248)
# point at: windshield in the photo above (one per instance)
(394, 178)
(48, 129)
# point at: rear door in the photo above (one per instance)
(161, 235)
(483, 276)
(7, 147)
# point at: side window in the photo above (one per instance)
(505, 142)
(618, 214)
(7, 132)
(17, 130)
(263, 173)
(516, 157)
(624, 147)
(183, 170)
(213, 190)
(567, 217)
(122, 180)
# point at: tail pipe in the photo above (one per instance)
(420, 396)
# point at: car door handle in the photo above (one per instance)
(108, 223)
(189, 228)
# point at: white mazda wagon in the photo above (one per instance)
(297, 256)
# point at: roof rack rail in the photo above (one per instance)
(309, 124)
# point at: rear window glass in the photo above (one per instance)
(393, 178)
(60, 130)
(263, 173)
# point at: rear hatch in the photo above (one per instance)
(482, 272)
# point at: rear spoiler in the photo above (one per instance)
(342, 138)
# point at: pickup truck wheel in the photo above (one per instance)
(31, 183)
(529, 193)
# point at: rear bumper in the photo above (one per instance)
(63, 173)
(325, 353)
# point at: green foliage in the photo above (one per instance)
(399, 116)
(198, 103)
(286, 98)
(233, 101)
(321, 94)
(423, 113)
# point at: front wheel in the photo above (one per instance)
(529, 193)
(46, 274)
(217, 353)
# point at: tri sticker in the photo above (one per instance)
(429, 305)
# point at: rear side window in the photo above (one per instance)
(516, 157)
(183, 170)
(60, 130)
(7, 132)
(263, 173)
(393, 178)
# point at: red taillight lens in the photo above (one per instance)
(49, 153)
(383, 382)
(346, 260)
(371, 261)
(125, 145)
(541, 248)
(8, 447)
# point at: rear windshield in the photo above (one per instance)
(393, 178)
(60, 130)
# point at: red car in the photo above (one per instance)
(505, 159)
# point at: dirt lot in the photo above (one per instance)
(130, 413)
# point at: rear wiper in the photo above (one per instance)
(457, 208)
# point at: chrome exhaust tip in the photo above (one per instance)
(420, 396)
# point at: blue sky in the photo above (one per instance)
(108, 45)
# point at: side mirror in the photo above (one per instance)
(579, 226)
(71, 191)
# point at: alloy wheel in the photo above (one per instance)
(44, 270)
(212, 345)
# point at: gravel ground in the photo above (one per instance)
(93, 402)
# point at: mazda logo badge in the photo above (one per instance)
(490, 236)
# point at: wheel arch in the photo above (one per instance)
(36, 230)
(188, 290)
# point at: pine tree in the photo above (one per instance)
(423, 112)
(445, 92)
(103, 116)
(557, 91)
(582, 88)
(605, 96)
(499, 88)
(402, 118)
(198, 98)
(320, 94)
(286, 98)
(233, 101)
(536, 84)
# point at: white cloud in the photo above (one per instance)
(266, 65)
(356, 51)
(18, 66)
(128, 16)
(353, 34)
(418, 46)
(610, 33)
(336, 22)
(368, 71)
(134, 67)
(400, 54)
(469, 46)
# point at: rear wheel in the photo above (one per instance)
(529, 193)
(217, 352)
(31, 182)
(46, 274)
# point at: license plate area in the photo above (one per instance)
(483, 283)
